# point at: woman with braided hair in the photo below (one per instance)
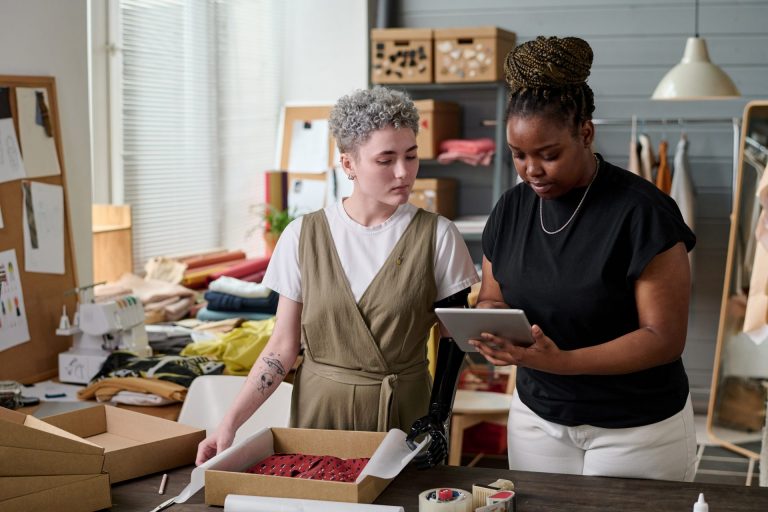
(596, 257)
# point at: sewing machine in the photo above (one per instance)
(98, 329)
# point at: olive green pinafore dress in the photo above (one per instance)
(365, 364)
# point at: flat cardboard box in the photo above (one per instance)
(30, 447)
(63, 493)
(344, 444)
(134, 444)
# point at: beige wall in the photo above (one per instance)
(50, 38)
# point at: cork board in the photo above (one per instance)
(43, 293)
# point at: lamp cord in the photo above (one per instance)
(697, 17)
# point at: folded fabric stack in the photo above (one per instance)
(230, 297)
(310, 467)
(162, 301)
(238, 349)
(127, 378)
(469, 151)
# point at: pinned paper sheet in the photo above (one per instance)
(11, 165)
(43, 225)
(309, 146)
(306, 195)
(38, 145)
(13, 316)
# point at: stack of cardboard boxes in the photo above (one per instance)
(67, 462)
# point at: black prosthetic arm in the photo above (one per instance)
(449, 360)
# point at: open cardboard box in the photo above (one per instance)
(29, 447)
(43, 467)
(387, 451)
(134, 444)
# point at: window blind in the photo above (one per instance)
(170, 160)
(250, 51)
(200, 108)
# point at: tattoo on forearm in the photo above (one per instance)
(274, 369)
(266, 380)
(274, 364)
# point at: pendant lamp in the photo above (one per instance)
(695, 77)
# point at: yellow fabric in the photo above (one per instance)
(237, 349)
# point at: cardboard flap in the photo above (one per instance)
(13, 486)
(91, 493)
(36, 434)
(29, 462)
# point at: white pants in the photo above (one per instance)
(662, 451)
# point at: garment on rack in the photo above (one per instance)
(664, 174)
(682, 190)
(647, 159)
(634, 157)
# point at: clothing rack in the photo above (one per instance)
(632, 121)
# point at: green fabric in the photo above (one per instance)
(365, 364)
(239, 348)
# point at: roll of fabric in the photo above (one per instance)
(205, 260)
(239, 503)
(245, 268)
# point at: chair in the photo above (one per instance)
(473, 407)
(210, 396)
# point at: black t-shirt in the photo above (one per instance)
(579, 286)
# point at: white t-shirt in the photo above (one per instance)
(363, 251)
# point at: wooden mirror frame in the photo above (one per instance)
(727, 286)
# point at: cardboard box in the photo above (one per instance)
(344, 444)
(471, 54)
(435, 195)
(46, 468)
(63, 493)
(31, 447)
(438, 121)
(134, 444)
(401, 55)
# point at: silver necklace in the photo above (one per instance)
(578, 207)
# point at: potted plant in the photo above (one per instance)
(275, 221)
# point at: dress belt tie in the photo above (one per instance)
(388, 413)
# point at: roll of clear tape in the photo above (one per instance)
(461, 501)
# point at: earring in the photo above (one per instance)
(351, 177)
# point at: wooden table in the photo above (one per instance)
(540, 492)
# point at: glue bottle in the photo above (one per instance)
(701, 505)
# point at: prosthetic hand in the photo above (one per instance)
(449, 359)
(437, 450)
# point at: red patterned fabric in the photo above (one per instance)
(310, 467)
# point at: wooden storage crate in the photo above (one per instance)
(438, 121)
(435, 195)
(401, 56)
(471, 54)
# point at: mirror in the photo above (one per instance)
(740, 372)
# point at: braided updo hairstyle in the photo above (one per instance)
(548, 76)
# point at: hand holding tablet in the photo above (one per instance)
(467, 324)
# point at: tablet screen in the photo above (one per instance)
(466, 324)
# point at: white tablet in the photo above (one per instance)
(467, 324)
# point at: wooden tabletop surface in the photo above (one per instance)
(540, 492)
